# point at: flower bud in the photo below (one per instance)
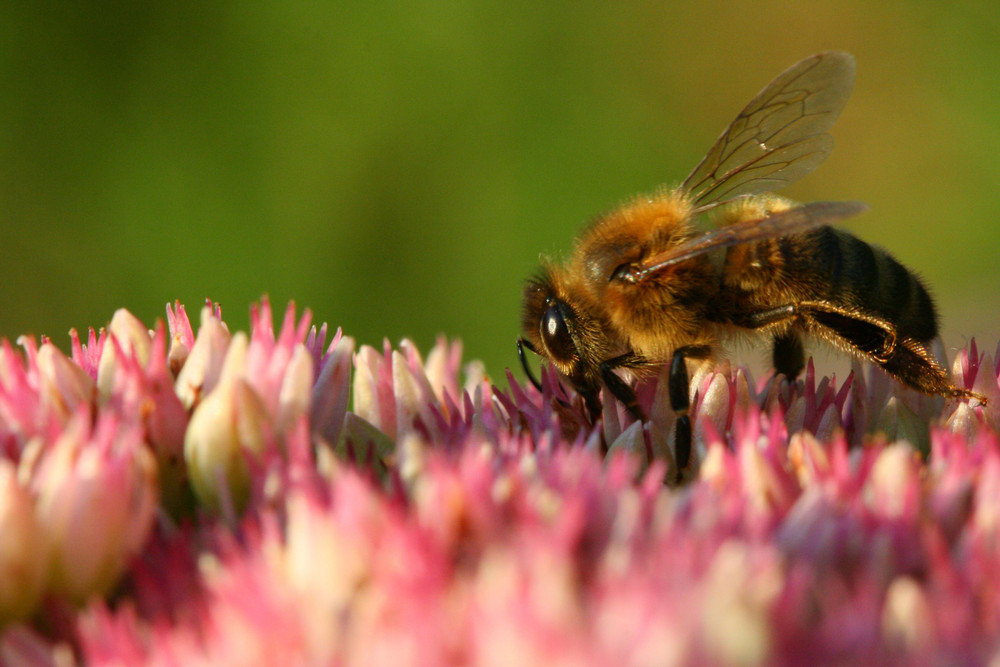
(204, 362)
(228, 424)
(97, 494)
(181, 336)
(23, 555)
(631, 441)
(133, 338)
(374, 400)
(332, 391)
(893, 487)
(908, 616)
(295, 391)
(64, 385)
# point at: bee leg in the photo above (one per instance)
(679, 389)
(787, 355)
(680, 402)
(521, 344)
(618, 387)
(873, 338)
(871, 335)
(915, 366)
(905, 359)
(592, 403)
(589, 397)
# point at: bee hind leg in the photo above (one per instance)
(871, 337)
(915, 366)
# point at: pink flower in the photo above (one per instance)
(332, 389)
(262, 390)
(63, 386)
(23, 549)
(433, 517)
(88, 357)
(201, 360)
(977, 373)
(145, 393)
(280, 370)
(181, 335)
(133, 339)
(230, 424)
(96, 496)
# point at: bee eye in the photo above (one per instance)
(555, 333)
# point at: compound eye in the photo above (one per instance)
(555, 333)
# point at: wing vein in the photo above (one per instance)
(795, 110)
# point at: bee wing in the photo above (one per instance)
(790, 221)
(781, 134)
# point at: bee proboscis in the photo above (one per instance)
(650, 284)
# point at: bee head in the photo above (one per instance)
(548, 323)
(557, 323)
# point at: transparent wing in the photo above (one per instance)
(781, 135)
(790, 221)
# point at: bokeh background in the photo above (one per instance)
(398, 167)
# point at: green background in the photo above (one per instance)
(399, 167)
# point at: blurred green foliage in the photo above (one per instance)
(398, 167)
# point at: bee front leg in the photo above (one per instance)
(618, 387)
(680, 399)
(521, 344)
(678, 388)
(589, 395)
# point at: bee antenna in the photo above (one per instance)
(521, 344)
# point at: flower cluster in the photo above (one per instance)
(179, 498)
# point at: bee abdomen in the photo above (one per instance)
(862, 276)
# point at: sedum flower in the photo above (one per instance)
(96, 497)
(977, 373)
(203, 356)
(23, 549)
(263, 391)
(742, 586)
(280, 369)
(182, 338)
(416, 512)
(88, 357)
(63, 385)
(133, 339)
(229, 424)
(145, 393)
(332, 389)
(21, 413)
(907, 617)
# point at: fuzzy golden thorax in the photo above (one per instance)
(657, 316)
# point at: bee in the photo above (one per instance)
(653, 284)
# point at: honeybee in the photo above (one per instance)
(652, 284)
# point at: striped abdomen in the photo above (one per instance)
(834, 266)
